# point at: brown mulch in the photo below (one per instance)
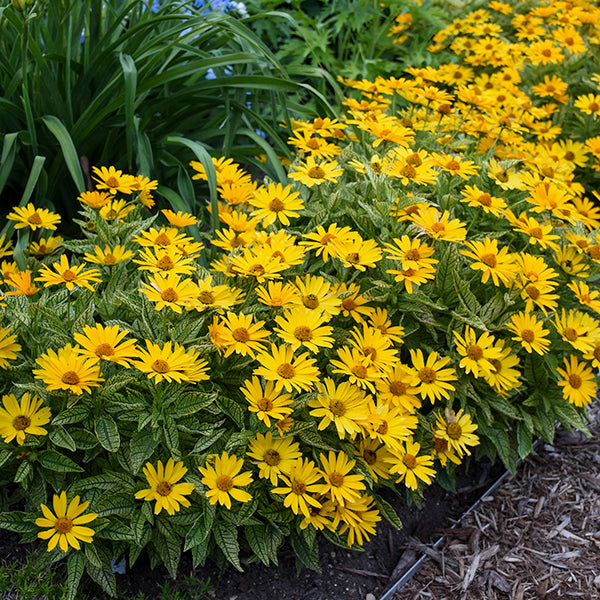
(537, 538)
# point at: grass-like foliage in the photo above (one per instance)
(422, 286)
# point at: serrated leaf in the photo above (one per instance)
(61, 437)
(256, 538)
(466, 296)
(117, 531)
(386, 509)
(24, 473)
(225, 535)
(196, 534)
(75, 414)
(569, 417)
(107, 433)
(55, 461)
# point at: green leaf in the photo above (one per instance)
(225, 535)
(56, 126)
(24, 473)
(104, 577)
(171, 433)
(142, 445)
(196, 534)
(34, 174)
(75, 414)
(256, 538)
(115, 504)
(9, 151)
(75, 567)
(55, 461)
(338, 540)
(569, 417)
(524, 440)
(466, 296)
(305, 545)
(169, 550)
(191, 403)
(117, 531)
(61, 437)
(388, 512)
(16, 521)
(130, 77)
(231, 409)
(312, 438)
(107, 433)
(447, 272)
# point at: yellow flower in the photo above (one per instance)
(22, 283)
(8, 347)
(585, 296)
(379, 320)
(338, 482)
(34, 218)
(66, 369)
(286, 370)
(240, 335)
(171, 362)
(353, 303)
(412, 253)
(167, 260)
(6, 246)
(477, 353)
(69, 275)
(224, 480)
(358, 253)
(358, 367)
(411, 466)
(502, 376)
(475, 197)
(268, 403)
(161, 238)
(538, 233)
(578, 383)
(112, 180)
(316, 293)
(439, 226)
(106, 343)
(399, 386)
(311, 173)
(95, 200)
(300, 326)
(578, 328)
(374, 454)
(300, 483)
(277, 294)
(324, 241)
(109, 256)
(169, 290)
(359, 518)
(529, 332)
(457, 429)
(589, 104)
(388, 424)
(179, 219)
(66, 524)
(116, 209)
(144, 186)
(434, 379)
(275, 456)
(491, 261)
(164, 487)
(19, 418)
(276, 203)
(44, 247)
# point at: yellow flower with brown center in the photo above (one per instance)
(164, 486)
(161, 238)
(358, 253)
(299, 485)
(268, 402)
(179, 219)
(316, 293)
(502, 376)
(106, 343)
(539, 233)
(113, 180)
(45, 246)
(21, 417)
(62, 273)
(457, 429)
(324, 241)
(339, 483)
(109, 257)
(277, 294)
(359, 368)
(578, 328)
(171, 362)
(586, 297)
(95, 199)
(311, 173)
(411, 466)
(374, 454)
(434, 379)
(353, 302)
(477, 352)
(276, 203)
(492, 261)
(286, 370)
(8, 347)
(399, 387)
(165, 260)
(66, 525)
(300, 326)
(438, 226)
(224, 480)
(529, 332)
(274, 456)
(22, 283)
(242, 336)
(32, 217)
(578, 382)
(169, 291)
(475, 197)
(67, 369)
(379, 320)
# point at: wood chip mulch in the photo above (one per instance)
(537, 538)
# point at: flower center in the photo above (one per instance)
(536, 232)
(409, 461)
(575, 381)
(336, 479)
(489, 260)
(594, 106)
(485, 199)
(594, 252)
(298, 487)
(453, 165)
(70, 378)
(533, 292)
(265, 404)
(370, 351)
(383, 428)
(34, 219)
(474, 352)
(359, 371)
(496, 365)
(353, 257)
(272, 457)
(310, 301)
(257, 270)
(408, 171)
(164, 488)
(412, 254)
(286, 371)
(349, 304)
(316, 172)
(370, 457)
(110, 259)
(165, 263)
(21, 422)
(160, 366)
(337, 407)
(169, 295)
(328, 237)
(63, 525)
(528, 335)
(206, 297)
(440, 444)
(438, 227)
(570, 334)
(303, 333)
(276, 205)
(597, 352)
(68, 275)
(454, 430)
(313, 143)
(112, 182)
(104, 350)
(224, 483)
(240, 334)
(398, 388)
(162, 240)
(427, 375)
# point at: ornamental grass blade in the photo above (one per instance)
(130, 77)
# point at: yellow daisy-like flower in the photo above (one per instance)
(457, 429)
(34, 218)
(116, 209)
(144, 186)
(113, 180)
(171, 362)
(268, 402)
(388, 424)
(588, 298)
(211, 295)
(300, 326)
(594, 354)
(106, 343)
(358, 253)
(358, 367)
(588, 104)
(375, 455)
(503, 377)
(240, 335)
(477, 353)
(169, 290)
(22, 283)
(167, 260)
(179, 219)
(109, 256)
(316, 293)
(162, 238)
(19, 418)
(69, 275)
(412, 467)
(311, 173)
(95, 199)
(164, 487)
(338, 483)
(275, 456)
(358, 518)
(578, 328)
(399, 387)
(496, 263)
(529, 332)
(300, 483)
(276, 203)
(68, 370)
(539, 233)
(324, 240)
(277, 294)
(66, 524)
(353, 303)
(344, 405)
(5, 246)
(475, 197)
(412, 253)
(224, 480)
(578, 382)
(379, 320)
(286, 370)
(45, 246)
(434, 379)
(8, 347)
(439, 226)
